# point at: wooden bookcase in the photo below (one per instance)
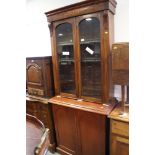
(81, 36)
(81, 39)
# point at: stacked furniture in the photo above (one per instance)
(82, 35)
(40, 87)
(119, 117)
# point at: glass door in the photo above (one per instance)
(90, 57)
(65, 58)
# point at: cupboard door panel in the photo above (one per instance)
(34, 74)
(92, 133)
(65, 128)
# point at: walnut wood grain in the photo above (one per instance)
(103, 109)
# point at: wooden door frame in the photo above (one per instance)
(55, 58)
(78, 20)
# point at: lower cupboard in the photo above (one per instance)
(80, 132)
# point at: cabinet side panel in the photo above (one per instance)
(111, 41)
(49, 78)
(107, 31)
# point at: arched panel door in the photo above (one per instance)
(34, 74)
(90, 57)
(65, 56)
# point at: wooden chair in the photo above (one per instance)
(37, 136)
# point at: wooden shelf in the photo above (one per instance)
(103, 109)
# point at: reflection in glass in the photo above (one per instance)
(65, 53)
(90, 57)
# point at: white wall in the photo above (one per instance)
(122, 21)
(37, 32)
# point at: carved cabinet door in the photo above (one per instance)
(34, 74)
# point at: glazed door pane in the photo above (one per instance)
(89, 30)
(65, 52)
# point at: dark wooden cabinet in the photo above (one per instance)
(81, 36)
(40, 108)
(119, 132)
(81, 127)
(39, 76)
